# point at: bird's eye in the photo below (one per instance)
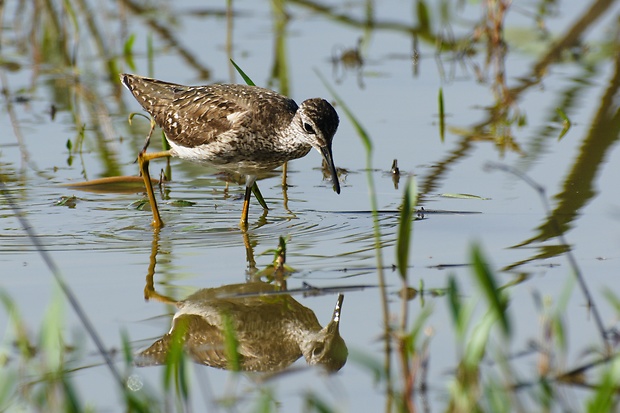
(317, 350)
(308, 128)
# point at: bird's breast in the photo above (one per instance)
(242, 155)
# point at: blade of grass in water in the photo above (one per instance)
(566, 123)
(231, 344)
(149, 55)
(128, 52)
(255, 190)
(486, 280)
(404, 227)
(175, 371)
(361, 132)
(442, 124)
(245, 77)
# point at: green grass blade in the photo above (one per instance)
(255, 190)
(51, 341)
(477, 343)
(356, 125)
(259, 196)
(361, 132)
(604, 400)
(71, 402)
(128, 52)
(150, 55)
(164, 142)
(486, 280)
(315, 403)
(245, 77)
(231, 344)
(454, 301)
(404, 227)
(175, 372)
(424, 20)
(442, 117)
(566, 123)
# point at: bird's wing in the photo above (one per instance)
(198, 115)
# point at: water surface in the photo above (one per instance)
(61, 86)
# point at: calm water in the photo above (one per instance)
(104, 245)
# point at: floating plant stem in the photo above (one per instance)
(377, 231)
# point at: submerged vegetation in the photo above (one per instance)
(41, 364)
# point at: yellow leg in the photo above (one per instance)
(149, 288)
(284, 174)
(249, 255)
(143, 161)
(243, 223)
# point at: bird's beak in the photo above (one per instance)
(334, 324)
(326, 151)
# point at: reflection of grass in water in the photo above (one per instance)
(474, 387)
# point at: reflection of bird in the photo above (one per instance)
(272, 330)
(235, 128)
(348, 59)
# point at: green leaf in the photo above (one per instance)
(182, 203)
(497, 302)
(423, 16)
(454, 301)
(358, 127)
(477, 343)
(418, 326)
(128, 52)
(404, 227)
(51, 340)
(315, 403)
(604, 400)
(21, 339)
(612, 299)
(566, 123)
(150, 55)
(245, 77)
(128, 46)
(259, 196)
(126, 346)
(231, 344)
(70, 11)
(266, 402)
(141, 205)
(442, 118)
(175, 368)
(164, 142)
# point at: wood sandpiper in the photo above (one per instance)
(239, 129)
(271, 328)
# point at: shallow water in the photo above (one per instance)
(104, 246)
